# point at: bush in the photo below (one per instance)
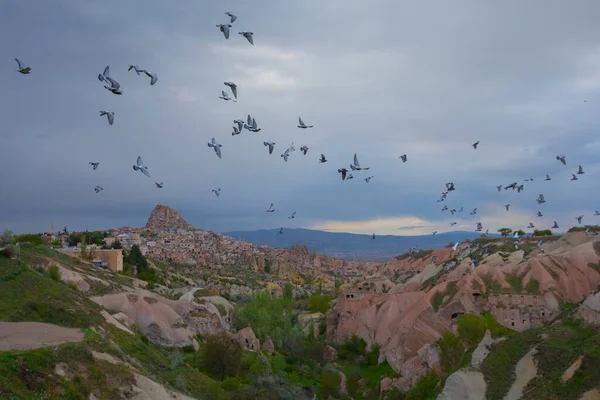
(54, 273)
(544, 232)
(471, 328)
(35, 240)
(532, 286)
(188, 349)
(319, 303)
(352, 348)
(425, 388)
(221, 356)
(72, 286)
(372, 357)
(451, 351)
(288, 291)
(267, 267)
(330, 384)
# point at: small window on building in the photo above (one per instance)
(523, 322)
(512, 323)
(543, 314)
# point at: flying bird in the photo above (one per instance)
(280, 231)
(434, 233)
(236, 131)
(24, 69)
(225, 29)
(232, 17)
(349, 177)
(474, 211)
(271, 209)
(562, 159)
(368, 179)
(455, 246)
(547, 177)
(114, 86)
(499, 187)
(541, 199)
(240, 124)
(249, 36)
(153, 77)
(580, 171)
(293, 215)
(104, 74)
(141, 167)
(574, 177)
(285, 155)
(322, 160)
(109, 115)
(474, 145)
(251, 124)
(530, 226)
(304, 149)
(98, 189)
(356, 166)
(159, 185)
(343, 171)
(450, 186)
(403, 157)
(445, 208)
(519, 188)
(452, 223)
(225, 96)
(94, 165)
(539, 214)
(373, 235)
(271, 146)
(302, 125)
(579, 219)
(135, 68)
(555, 226)
(596, 213)
(217, 191)
(213, 143)
(233, 88)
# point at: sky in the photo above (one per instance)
(380, 78)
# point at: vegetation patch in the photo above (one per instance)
(499, 366)
(438, 298)
(533, 286)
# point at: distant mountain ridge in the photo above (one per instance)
(350, 246)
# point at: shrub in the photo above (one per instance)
(319, 303)
(288, 291)
(372, 357)
(544, 232)
(471, 328)
(29, 238)
(451, 351)
(532, 286)
(267, 267)
(188, 349)
(220, 356)
(73, 286)
(425, 388)
(54, 273)
(330, 384)
(352, 348)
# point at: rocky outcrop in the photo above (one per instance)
(268, 346)
(247, 339)
(589, 310)
(163, 217)
(467, 385)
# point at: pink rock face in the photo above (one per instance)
(247, 339)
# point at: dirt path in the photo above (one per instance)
(33, 335)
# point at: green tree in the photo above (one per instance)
(116, 244)
(221, 356)
(544, 232)
(74, 239)
(319, 303)
(267, 266)
(505, 231)
(65, 231)
(6, 237)
(521, 232)
(288, 291)
(330, 384)
(451, 351)
(35, 240)
(372, 356)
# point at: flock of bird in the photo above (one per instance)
(250, 124)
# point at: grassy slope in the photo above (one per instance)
(566, 341)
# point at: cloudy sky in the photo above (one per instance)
(380, 78)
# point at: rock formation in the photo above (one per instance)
(163, 217)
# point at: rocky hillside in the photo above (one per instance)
(409, 303)
(193, 247)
